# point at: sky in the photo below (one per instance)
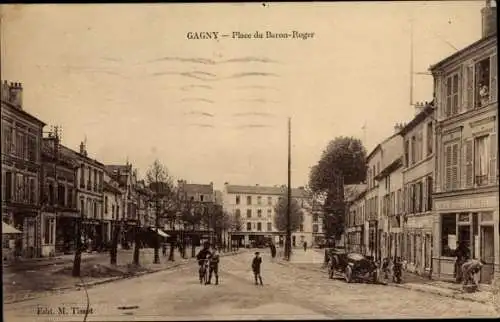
(126, 78)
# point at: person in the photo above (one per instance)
(462, 254)
(273, 250)
(397, 270)
(214, 266)
(256, 262)
(469, 269)
(203, 255)
(385, 268)
(305, 246)
(164, 249)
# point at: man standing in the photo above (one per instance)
(305, 246)
(257, 261)
(203, 255)
(214, 266)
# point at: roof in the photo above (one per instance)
(119, 172)
(109, 187)
(419, 118)
(475, 44)
(24, 113)
(263, 190)
(355, 191)
(75, 155)
(48, 154)
(197, 188)
(396, 164)
(380, 145)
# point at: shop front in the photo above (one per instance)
(372, 238)
(473, 220)
(89, 234)
(66, 226)
(417, 243)
(394, 236)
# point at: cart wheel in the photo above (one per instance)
(348, 274)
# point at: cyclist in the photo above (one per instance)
(202, 256)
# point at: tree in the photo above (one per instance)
(281, 219)
(161, 184)
(343, 162)
(191, 216)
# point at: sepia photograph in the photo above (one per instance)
(250, 161)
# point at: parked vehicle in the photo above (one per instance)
(352, 266)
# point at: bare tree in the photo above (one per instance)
(161, 184)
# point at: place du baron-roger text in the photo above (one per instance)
(255, 35)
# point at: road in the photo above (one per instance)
(288, 293)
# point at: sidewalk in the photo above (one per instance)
(24, 282)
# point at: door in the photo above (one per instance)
(293, 241)
(464, 235)
(487, 254)
(30, 238)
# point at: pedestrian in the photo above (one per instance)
(256, 262)
(214, 266)
(305, 246)
(469, 269)
(164, 249)
(273, 251)
(462, 254)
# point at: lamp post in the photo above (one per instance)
(288, 241)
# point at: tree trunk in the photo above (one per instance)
(78, 251)
(183, 245)
(113, 252)
(172, 250)
(136, 246)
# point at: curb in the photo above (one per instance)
(409, 287)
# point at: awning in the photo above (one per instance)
(8, 229)
(160, 232)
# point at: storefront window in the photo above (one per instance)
(448, 234)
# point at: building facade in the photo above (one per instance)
(113, 206)
(255, 208)
(59, 213)
(356, 217)
(372, 239)
(418, 178)
(466, 182)
(21, 167)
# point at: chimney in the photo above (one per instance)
(397, 128)
(13, 93)
(489, 19)
(83, 149)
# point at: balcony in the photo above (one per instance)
(482, 180)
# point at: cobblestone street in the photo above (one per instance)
(289, 292)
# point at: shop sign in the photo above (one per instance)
(463, 217)
(464, 204)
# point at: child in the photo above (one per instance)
(257, 260)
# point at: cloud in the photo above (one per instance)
(201, 125)
(197, 99)
(254, 114)
(248, 74)
(197, 60)
(249, 59)
(189, 87)
(200, 113)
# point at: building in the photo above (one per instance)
(371, 204)
(90, 194)
(418, 174)
(466, 181)
(21, 166)
(59, 213)
(255, 205)
(113, 206)
(355, 222)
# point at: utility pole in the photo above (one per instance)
(157, 224)
(288, 241)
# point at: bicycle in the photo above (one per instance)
(204, 271)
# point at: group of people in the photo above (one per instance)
(211, 255)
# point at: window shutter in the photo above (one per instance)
(447, 97)
(469, 78)
(454, 172)
(468, 163)
(493, 158)
(424, 197)
(493, 78)
(447, 168)
(457, 90)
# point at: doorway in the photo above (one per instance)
(487, 254)
(294, 241)
(464, 235)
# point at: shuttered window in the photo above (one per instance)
(454, 171)
(493, 158)
(468, 164)
(493, 79)
(424, 194)
(469, 79)
(452, 94)
(451, 167)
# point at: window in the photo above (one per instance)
(315, 217)
(249, 213)
(49, 225)
(259, 226)
(259, 200)
(237, 213)
(269, 213)
(61, 195)
(237, 200)
(105, 204)
(269, 201)
(8, 135)
(269, 226)
(429, 193)
(32, 149)
(481, 160)
(112, 211)
(451, 166)
(378, 168)
(201, 198)
(70, 202)
(482, 82)
(249, 226)
(368, 178)
(82, 207)
(373, 176)
(413, 149)
(259, 213)
(452, 93)
(249, 200)
(51, 194)
(448, 234)
(315, 228)
(430, 138)
(82, 176)
(117, 212)
(301, 227)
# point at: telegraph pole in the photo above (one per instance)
(288, 245)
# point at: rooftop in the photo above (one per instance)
(263, 190)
